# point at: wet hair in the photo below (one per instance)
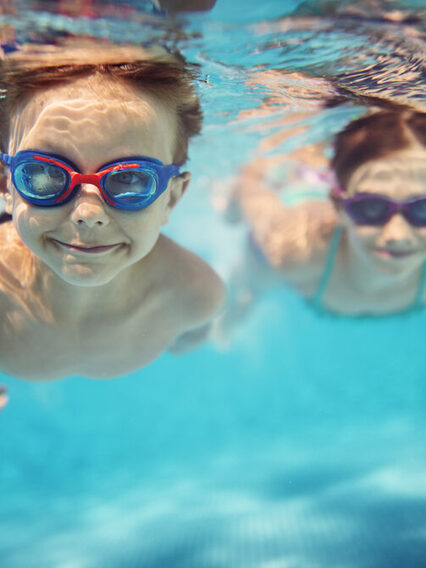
(374, 137)
(155, 71)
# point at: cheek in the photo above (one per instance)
(142, 227)
(31, 222)
(363, 236)
(421, 236)
(153, 217)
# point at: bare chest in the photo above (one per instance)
(37, 348)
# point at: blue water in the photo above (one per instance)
(300, 445)
(287, 449)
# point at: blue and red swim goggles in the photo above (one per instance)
(48, 180)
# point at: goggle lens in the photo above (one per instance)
(369, 211)
(36, 179)
(130, 185)
(417, 213)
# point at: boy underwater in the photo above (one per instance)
(94, 138)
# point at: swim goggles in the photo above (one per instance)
(377, 210)
(48, 180)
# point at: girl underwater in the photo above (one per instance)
(362, 252)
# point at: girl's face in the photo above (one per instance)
(395, 246)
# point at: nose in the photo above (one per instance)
(89, 208)
(397, 231)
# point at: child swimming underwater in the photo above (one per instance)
(362, 252)
(94, 139)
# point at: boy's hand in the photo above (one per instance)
(191, 339)
(4, 399)
(185, 5)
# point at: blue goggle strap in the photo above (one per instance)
(6, 159)
(165, 173)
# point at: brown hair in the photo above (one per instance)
(156, 71)
(376, 136)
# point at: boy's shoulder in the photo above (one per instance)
(197, 289)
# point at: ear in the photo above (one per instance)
(335, 201)
(334, 196)
(5, 193)
(178, 187)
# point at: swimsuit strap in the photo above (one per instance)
(418, 302)
(329, 265)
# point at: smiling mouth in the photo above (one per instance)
(387, 253)
(86, 249)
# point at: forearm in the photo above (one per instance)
(259, 206)
(288, 236)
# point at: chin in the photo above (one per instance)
(85, 277)
(396, 265)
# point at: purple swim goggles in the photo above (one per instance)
(376, 210)
(48, 180)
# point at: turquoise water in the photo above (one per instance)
(299, 445)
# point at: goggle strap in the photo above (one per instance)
(166, 174)
(5, 158)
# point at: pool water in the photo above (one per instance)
(300, 443)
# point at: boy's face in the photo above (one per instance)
(86, 242)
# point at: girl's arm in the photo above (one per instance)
(291, 238)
